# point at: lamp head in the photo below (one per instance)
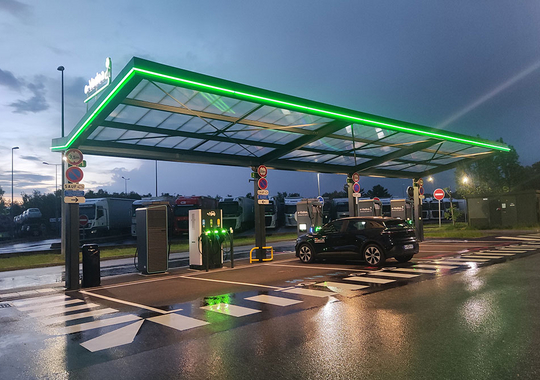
(60, 68)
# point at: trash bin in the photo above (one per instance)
(91, 267)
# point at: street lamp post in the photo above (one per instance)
(11, 208)
(125, 183)
(55, 194)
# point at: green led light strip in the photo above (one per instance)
(130, 74)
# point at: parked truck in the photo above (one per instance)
(290, 211)
(106, 216)
(238, 212)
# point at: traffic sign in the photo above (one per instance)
(83, 220)
(263, 183)
(421, 190)
(262, 192)
(263, 201)
(357, 195)
(356, 177)
(262, 170)
(74, 174)
(262, 196)
(74, 193)
(74, 157)
(438, 194)
(420, 182)
(356, 187)
(73, 186)
(74, 199)
(321, 200)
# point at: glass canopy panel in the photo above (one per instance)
(170, 142)
(198, 125)
(175, 121)
(150, 92)
(130, 114)
(404, 138)
(418, 156)
(418, 168)
(178, 97)
(297, 153)
(376, 151)
(154, 118)
(390, 163)
(347, 161)
(445, 161)
(115, 112)
(132, 137)
(151, 139)
(317, 158)
(363, 132)
(395, 167)
(332, 144)
(187, 144)
(452, 147)
(200, 102)
(107, 134)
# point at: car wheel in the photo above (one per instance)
(373, 255)
(305, 253)
(404, 259)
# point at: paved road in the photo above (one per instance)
(472, 315)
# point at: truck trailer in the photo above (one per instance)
(238, 212)
(106, 216)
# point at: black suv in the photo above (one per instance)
(371, 239)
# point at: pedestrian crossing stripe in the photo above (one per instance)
(49, 312)
(498, 253)
(519, 247)
(50, 304)
(372, 280)
(436, 266)
(338, 287)
(416, 270)
(463, 259)
(98, 324)
(482, 256)
(39, 300)
(392, 274)
(308, 292)
(177, 321)
(273, 300)
(232, 310)
(72, 317)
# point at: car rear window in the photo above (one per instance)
(396, 224)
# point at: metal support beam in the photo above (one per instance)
(70, 246)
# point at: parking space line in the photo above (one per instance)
(116, 300)
(314, 267)
(232, 282)
(273, 300)
(519, 247)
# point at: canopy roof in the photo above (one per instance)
(158, 112)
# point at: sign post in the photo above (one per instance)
(438, 194)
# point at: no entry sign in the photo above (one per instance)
(438, 194)
(83, 220)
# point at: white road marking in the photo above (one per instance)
(415, 270)
(39, 300)
(177, 321)
(315, 267)
(97, 324)
(51, 305)
(116, 300)
(482, 256)
(340, 286)
(498, 253)
(231, 282)
(119, 337)
(519, 247)
(470, 260)
(369, 279)
(232, 310)
(72, 317)
(309, 292)
(388, 273)
(60, 310)
(273, 300)
(436, 266)
(516, 238)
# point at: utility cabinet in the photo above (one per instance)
(152, 239)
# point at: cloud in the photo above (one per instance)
(35, 104)
(16, 8)
(8, 79)
(31, 158)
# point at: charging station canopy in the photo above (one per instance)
(153, 111)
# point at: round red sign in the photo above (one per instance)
(83, 220)
(263, 183)
(438, 194)
(262, 170)
(356, 177)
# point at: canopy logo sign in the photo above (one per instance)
(99, 82)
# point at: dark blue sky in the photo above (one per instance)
(471, 67)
